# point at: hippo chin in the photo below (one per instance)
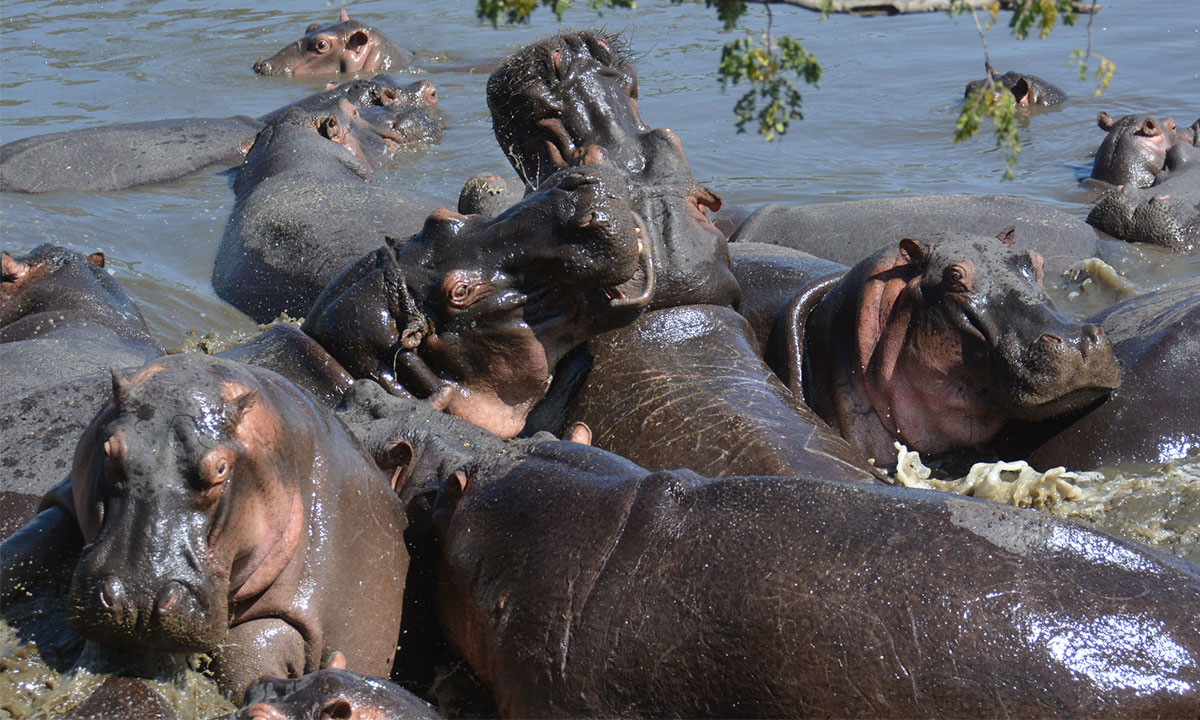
(474, 312)
(343, 47)
(938, 342)
(201, 498)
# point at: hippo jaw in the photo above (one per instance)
(1062, 371)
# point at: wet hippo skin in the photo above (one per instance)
(334, 693)
(651, 594)
(1027, 90)
(343, 47)
(200, 457)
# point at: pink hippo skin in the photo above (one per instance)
(344, 47)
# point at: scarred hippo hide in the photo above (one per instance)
(938, 342)
(475, 312)
(305, 209)
(223, 510)
(674, 595)
(572, 99)
(1154, 416)
(343, 47)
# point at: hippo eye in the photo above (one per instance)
(955, 279)
(321, 45)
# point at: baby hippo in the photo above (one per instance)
(331, 694)
(343, 47)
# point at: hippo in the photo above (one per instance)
(1154, 416)
(1134, 149)
(331, 693)
(1167, 213)
(347, 46)
(125, 155)
(848, 232)
(1027, 90)
(473, 313)
(120, 698)
(651, 594)
(64, 321)
(305, 209)
(937, 342)
(545, 123)
(215, 507)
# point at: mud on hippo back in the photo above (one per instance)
(346, 46)
(214, 507)
(937, 343)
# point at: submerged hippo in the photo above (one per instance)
(305, 209)
(215, 507)
(1134, 149)
(1154, 416)
(332, 693)
(651, 594)
(1167, 213)
(1027, 90)
(124, 155)
(684, 384)
(474, 312)
(346, 46)
(938, 342)
(64, 321)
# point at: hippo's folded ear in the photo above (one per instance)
(12, 268)
(395, 457)
(97, 258)
(1006, 236)
(912, 252)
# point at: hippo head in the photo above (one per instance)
(343, 47)
(381, 91)
(186, 492)
(573, 99)
(46, 276)
(1027, 90)
(1134, 149)
(329, 693)
(474, 312)
(943, 340)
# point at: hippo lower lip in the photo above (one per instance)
(1073, 401)
(638, 289)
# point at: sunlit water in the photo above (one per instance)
(879, 124)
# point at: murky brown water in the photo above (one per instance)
(879, 125)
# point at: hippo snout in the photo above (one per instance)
(173, 617)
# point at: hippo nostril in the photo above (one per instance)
(112, 593)
(168, 597)
(1050, 339)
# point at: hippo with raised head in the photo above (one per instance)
(64, 321)
(651, 594)
(305, 209)
(215, 507)
(1027, 90)
(346, 46)
(1154, 416)
(474, 312)
(938, 342)
(331, 693)
(124, 155)
(1134, 150)
(1167, 213)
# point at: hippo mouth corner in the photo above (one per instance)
(637, 291)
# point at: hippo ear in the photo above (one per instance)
(345, 15)
(337, 661)
(579, 433)
(357, 40)
(395, 458)
(97, 258)
(12, 268)
(1105, 121)
(1006, 236)
(239, 405)
(313, 27)
(912, 252)
(708, 198)
(1020, 89)
(119, 386)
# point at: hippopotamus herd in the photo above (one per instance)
(618, 458)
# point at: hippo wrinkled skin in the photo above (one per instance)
(938, 342)
(344, 47)
(215, 507)
(124, 155)
(474, 312)
(650, 594)
(1027, 90)
(305, 208)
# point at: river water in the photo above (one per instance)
(878, 125)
